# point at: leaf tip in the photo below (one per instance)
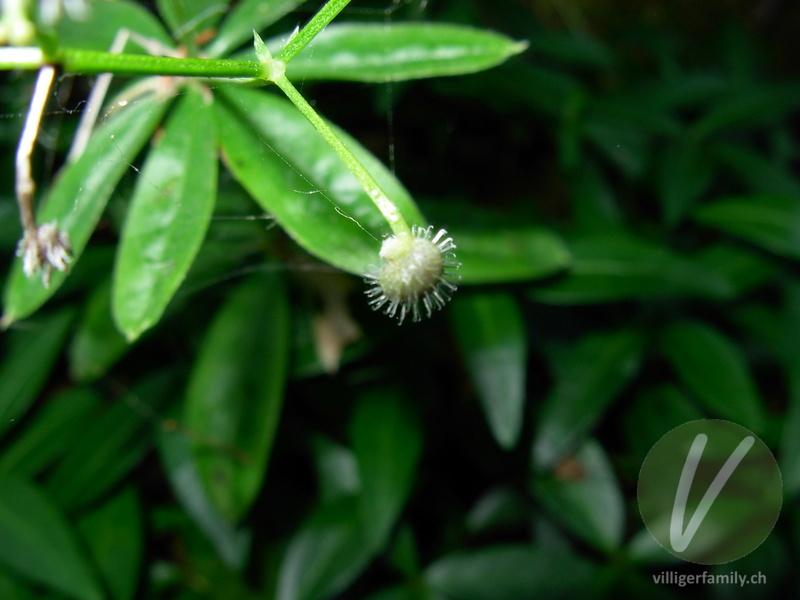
(131, 332)
(6, 321)
(518, 47)
(262, 52)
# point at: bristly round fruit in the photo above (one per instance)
(419, 267)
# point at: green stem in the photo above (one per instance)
(312, 28)
(90, 62)
(388, 209)
(26, 59)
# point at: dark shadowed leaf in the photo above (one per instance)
(609, 268)
(642, 548)
(188, 18)
(491, 335)
(243, 19)
(50, 432)
(764, 174)
(583, 494)
(713, 369)
(37, 541)
(514, 572)
(595, 206)
(684, 174)
(97, 344)
(175, 450)
(16, 588)
(404, 593)
(588, 378)
(326, 554)
(743, 266)
(654, 412)
(112, 443)
(29, 355)
(623, 143)
(404, 552)
(113, 534)
(336, 468)
(759, 105)
(498, 509)
(770, 221)
(235, 393)
(387, 442)
(789, 455)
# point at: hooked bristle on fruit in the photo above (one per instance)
(417, 268)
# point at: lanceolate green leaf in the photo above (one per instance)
(585, 498)
(16, 588)
(491, 333)
(387, 441)
(759, 105)
(498, 509)
(509, 255)
(111, 443)
(50, 432)
(113, 534)
(37, 541)
(656, 410)
(761, 173)
(187, 18)
(622, 141)
(175, 450)
(336, 470)
(79, 196)
(767, 220)
(589, 377)
(609, 268)
(790, 436)
(167, 218)
(235, 393)
(512, 572)
(98, 28)
(596, 208)
(243, 19)
(326, 554)
(379, 52)
(713, 369)
(29, 356)
(296, 177)
(400, 592)
(97, 343)
(685, 173)
(745, 267)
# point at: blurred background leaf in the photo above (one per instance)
(588, 378)
(39, 543)
(387, 442)
(235, 393)
(491, 335)
(624, 198)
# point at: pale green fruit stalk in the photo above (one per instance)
(418, 267)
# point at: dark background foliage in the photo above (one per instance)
(450, 459)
